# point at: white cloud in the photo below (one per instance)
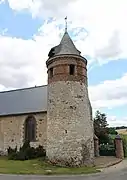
(1, 1)
(104, 21)
(40, 7)
(111, 51)
(23, 62)
(109, 94)
(114, 121)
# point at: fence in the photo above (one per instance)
(107, 150)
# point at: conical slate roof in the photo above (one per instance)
(66, 46)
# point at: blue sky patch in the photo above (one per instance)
(110, 71)
(20, 25)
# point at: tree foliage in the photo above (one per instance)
(121, 127)
(112, 130)
(101, 127)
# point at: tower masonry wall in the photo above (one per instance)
(69, 124)
(60, 65)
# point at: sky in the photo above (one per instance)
(29, 28)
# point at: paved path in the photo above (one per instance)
(118, 172)
(112, 176)
(105, 161)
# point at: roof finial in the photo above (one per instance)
(66, 24)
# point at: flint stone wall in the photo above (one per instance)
(69, 124)
(12, 131)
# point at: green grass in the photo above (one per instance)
(124, 137)
(39, 167)
(112, 136)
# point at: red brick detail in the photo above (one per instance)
(60, 67)
(119, 148)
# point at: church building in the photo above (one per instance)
(58, 115)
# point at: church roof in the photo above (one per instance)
(23, 101)
(66, 46)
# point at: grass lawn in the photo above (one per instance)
(39, 167)
(124, 136)
(112, 136)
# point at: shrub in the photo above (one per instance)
(26, 152)
(11, 151)
(12, 156)
(40, 152)
(25, 145)
(30, 153)
(21, 156)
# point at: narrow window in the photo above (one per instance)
(51, 72)
(72, 69)
(30, 129)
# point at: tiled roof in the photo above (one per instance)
(23, 101)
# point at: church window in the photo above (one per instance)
(51, 72)
(30, 129)
(72, 69)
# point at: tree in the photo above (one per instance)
(101, 127)
(112, 130)
(121, 127)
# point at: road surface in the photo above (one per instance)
(119, 175)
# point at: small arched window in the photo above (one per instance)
(30, 128)
(72, 69)
(51, 72)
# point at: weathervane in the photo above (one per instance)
(66, 24)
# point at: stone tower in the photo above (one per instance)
(69, 121)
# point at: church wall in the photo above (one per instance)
(12, 131)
